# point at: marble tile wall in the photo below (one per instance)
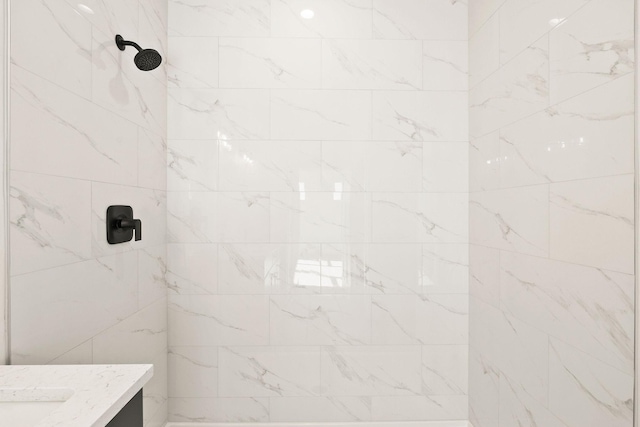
(4, 289)
(551, 213)
(88, 130)
(317, 210)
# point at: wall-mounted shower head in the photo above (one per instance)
(146, 59)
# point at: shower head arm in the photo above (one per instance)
(122, 43)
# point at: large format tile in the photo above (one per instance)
(582, 58)
(592, 222)
(233, 409)
(420, 116)
(512, 219)
(330, 19)
(219, 18)
(420, 19)
(218, 320)
(270, 63)
(84, 298)
(69, 128)
(584, 391)
(588, 136)
(320, 114)
(589, 308)
(268, 371)
(218, 114)
(49, 222)
(517, 90)
(371, 371)
(320, 320)
(66, 47)
(372, 64)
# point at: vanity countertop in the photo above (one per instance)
(92, 394)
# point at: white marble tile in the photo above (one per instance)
(480, 12)
(69, 128)
(80, 355)
(420, 19)
(372, 64)
(155, 392)
(67, 45)
(445, 269)
(204, 217)
(319, 217)
(371, 370)
(152, 271)
(517, 90)
(593, 310)
(394, 166)
(110, 17)
(484, 392)
(49, 222)
(139, 338)
(84, 298)
(192, 268)
(588, 136)
(235, 409)
(219, 18)
(419, 217)
(152, 160)
(512, 219)
(522, 22)
(270, 63)
(592, 222)
(524, 356)
(411, 319)
(329, 409)
(518, 408)
(418, 408)
(218, 320)
(484, 51)
(484, 274)
(445, 167)
(320, 320)
(320, 115)
(344, 269)
(420, 116)
(270, 268)
(268, 371)
(344, 165)
(394, 268)
(191, 217)
(270, 165)
(445, 369)
(330, 19)
(218, 114)
(192, 165)
(193, 371)
(583, 391)
(193, 62)
(445, 65)
(581, 58)
(484, 162)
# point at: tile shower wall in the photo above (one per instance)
(318, 210)
(4, 335)
(551, 213)
(88, 130)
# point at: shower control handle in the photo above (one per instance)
(121, 225)
(131, 224)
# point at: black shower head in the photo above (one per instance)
(146, 59)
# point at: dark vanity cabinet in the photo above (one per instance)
(130, 415)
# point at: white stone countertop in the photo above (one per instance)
(92, 394)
